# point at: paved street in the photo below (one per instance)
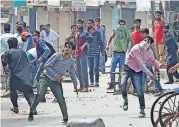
(95, 104)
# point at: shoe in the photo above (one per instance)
(110, 86)
(65, 121)
(80, 89)
(142, 114)
(31, 116)
(85, 90)
(177, 80)
(91, 85)
(125, 106)
(35, 112)
(15, 110)
(168, 82)
(96, 85)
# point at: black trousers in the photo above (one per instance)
(170, 75)
(16, 84)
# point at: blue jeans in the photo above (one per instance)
(117, 58)
(102, 63)
(93, 64)
(33, 68)
(40, 70)
(136, 78)
(82, 70)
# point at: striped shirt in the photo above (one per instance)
(57, 66)
(96, 45)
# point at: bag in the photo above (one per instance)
(51, 49)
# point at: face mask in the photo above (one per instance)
(144, 45)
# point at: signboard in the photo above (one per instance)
(4, 13)
(65, 3)
(24, 11)
(54, 3)
(19, 3)
(93, 3)
(78, 6)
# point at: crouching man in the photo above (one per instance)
(52, 77)
(134, 67)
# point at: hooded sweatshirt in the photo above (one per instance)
(138, 56)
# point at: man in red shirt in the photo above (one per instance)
(159, 36)
(136, 34)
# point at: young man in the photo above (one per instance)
(20, 80)
(103, 37)
(145, 33)
(49, 35)
(90, 23)
(52, 77)
(5, 47)
(71, 36)
(121, 38)
(134, 68)
(159, 36)
(94, 49)
(176, 28)
(172, 48)
(81, 38)
(136, 34)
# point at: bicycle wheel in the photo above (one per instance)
(169, 110)
(155, 108)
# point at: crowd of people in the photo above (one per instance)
(31, 59)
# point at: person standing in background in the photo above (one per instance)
(176, 28)
(159, 36)
(49, 35)
(103, 37)
(136, 34)
(81, 39)
(121, 37)
(71, 36)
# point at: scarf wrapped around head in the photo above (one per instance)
(144, 45)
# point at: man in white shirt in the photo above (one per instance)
(49, 35)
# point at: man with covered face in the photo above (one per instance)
(134, 68)
(49, 35)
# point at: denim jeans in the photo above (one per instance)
(82, 70)
(117, 58)
(33, 68)
(93, 64)
(136, 78)
(102, 63)
(57, 91)
(40, 70)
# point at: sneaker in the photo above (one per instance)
(31, 116)
(159, 94)
(142, 114)
(65, 121)
(15, 110)
(110, 86)
(125, 106)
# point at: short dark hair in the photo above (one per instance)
(150, 39)
(122, 21)
(145, 30)
(12, 42)
(19, 29)
(158, 12)
(98, 19)
(70, 44)
(7, 27)
(38, 32)
(80, 21)
(73, 26)
(90, 20)
(138, 20)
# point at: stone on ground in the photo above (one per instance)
(86, 123)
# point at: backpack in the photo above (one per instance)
(51, 49)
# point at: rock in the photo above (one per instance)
(86, 123)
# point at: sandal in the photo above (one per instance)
(85, 90)
(125, 106)
(80, 89)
